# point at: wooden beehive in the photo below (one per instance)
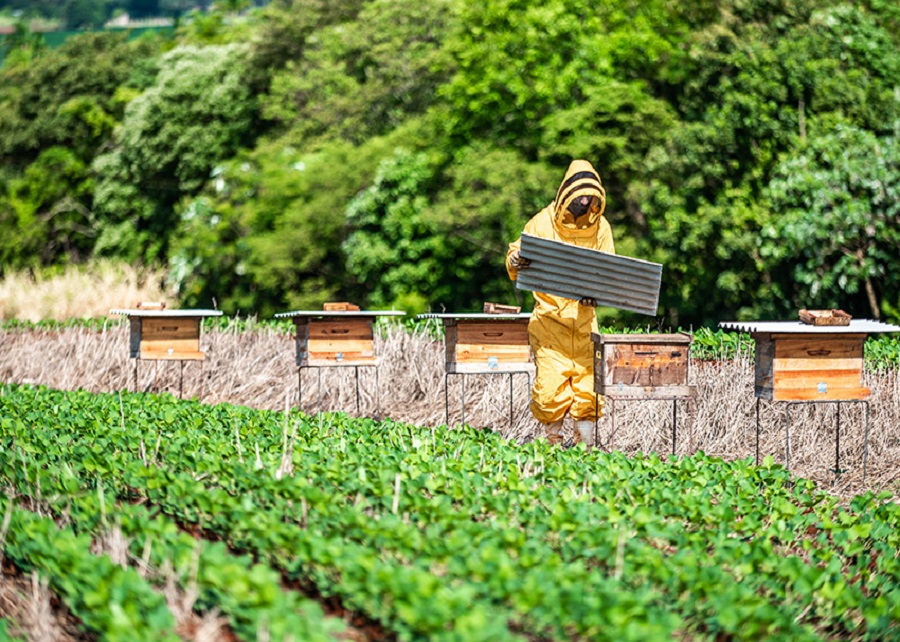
(335, 341)
(484, 344)
(166, 338)
(810, 367)
(642, 365)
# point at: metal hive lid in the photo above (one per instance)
(857, 326)
(612, 280)
(340, 313)
(475, 315)
(167, 313)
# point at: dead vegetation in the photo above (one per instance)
(80, 291)
(256, 368)
(33, 611)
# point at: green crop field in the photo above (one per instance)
(424, 534)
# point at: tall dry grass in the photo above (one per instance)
(256, 368)
(78, 292)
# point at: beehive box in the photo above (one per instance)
(336, 337)
(335, 341)
(160, 335)
(487, 345)
(810, 367)
(642, 365)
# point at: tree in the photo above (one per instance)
(66, 97)
(835, 228)
(753, 83)
(43, 219)
(197, 114)
(364, 77)
(265, 235)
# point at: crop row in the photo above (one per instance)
(462, 535)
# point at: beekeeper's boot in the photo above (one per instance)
(584, 431)
(552, 432)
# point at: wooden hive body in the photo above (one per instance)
(335, 341)
(487, 345)
(166, 338)
(642, 365)
(812, 367)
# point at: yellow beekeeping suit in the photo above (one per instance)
(560, 329)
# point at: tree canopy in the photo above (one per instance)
(386, 151)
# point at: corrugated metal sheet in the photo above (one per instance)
(315, 314)
(475, 315)
(857, 326)
(168, 313)
(576, 272)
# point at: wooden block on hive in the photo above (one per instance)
(151, 305)
(825, 317)
(340, 306)
(499, 308)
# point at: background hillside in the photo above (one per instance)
(386, 151)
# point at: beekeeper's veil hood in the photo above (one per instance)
(581, 180)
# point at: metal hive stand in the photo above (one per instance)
(180, 342)
(460, 363)
(837, 470)
(335, 356)
(778, 382)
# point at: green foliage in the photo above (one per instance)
(285, 28)
(459, 534)
(172, 135)
(43, 219)
(415, 255)
(753, 83)
(266, 236)
(113, 602)
(366, 77)
(835, 225)
(55, 113)
(65, 97)
(392, 248)
(708, 121)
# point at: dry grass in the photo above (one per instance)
(33, 611)
(180, 593)
(80, 291)
(257, 369)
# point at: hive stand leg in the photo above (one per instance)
(866, 443)
(377, 396)
(510, 400)
(787, 437)
(463, 400)
(319, 391)
(837, 442)
(136, 375)
(596, 419)
(674, 422)
(181, 379)
(757, 431)
(692, 411)
(612, 421)
(299, 388)
(356, 374)
(446, 400)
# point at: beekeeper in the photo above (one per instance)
(560, 329)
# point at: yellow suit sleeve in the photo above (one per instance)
(514, 247)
